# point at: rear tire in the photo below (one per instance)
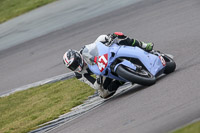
(142, 76)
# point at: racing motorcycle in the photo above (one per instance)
(126, 63)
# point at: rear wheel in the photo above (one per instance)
(140, 76)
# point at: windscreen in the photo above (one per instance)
(89, 52)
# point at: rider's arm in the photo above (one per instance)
(96, 84)
(86, 78)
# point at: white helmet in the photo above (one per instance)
(73, 60)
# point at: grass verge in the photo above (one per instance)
(12, 8)
(192, 128)
(24, 111)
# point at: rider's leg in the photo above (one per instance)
(134, 42)
(109, 88)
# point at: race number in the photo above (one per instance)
(102, 62)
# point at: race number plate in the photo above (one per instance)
(102, 62)
(162, 60)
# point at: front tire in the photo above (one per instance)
(170, 65)
(142, 77)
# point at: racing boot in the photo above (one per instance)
(147, 46)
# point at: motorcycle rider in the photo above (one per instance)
(76, 61)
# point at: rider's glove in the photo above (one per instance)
(109, 39)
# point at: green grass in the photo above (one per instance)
(192, 128)
(12, 8)
(24, 111)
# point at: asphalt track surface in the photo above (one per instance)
(173, 26)
(41, 58)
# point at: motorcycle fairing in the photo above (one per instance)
(150, 61)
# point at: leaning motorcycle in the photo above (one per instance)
(126, 63)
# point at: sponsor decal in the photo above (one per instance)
(162, 60)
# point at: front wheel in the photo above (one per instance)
(170, 64)
(141, 76)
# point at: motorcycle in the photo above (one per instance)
(128, 64)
